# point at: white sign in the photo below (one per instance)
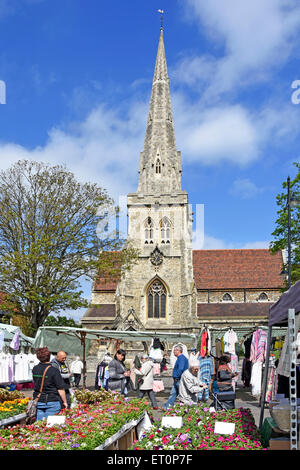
(171, 421)
(53, 420)
(224, 428)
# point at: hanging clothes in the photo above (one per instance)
(205, 342)
(234, 366)
(258, 346)
(247, 346)
(22, 369)
(218, 348)
(230, 338)
(4, 364)
(256, 377)
(156, 350)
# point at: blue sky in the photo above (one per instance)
(78, 79)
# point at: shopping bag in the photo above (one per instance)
(158, 386)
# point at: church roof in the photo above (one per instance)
(233, 310)
(227, 269)
(236, 269)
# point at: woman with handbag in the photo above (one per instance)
(225, 375)
(146, 382)
(48, 386)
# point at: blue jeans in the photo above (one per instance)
(204, 394)
(173, 395)
(47, 409)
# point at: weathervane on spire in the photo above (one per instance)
(161, 18)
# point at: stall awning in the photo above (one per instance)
(279, 311)
(68, 339)
(9, 332)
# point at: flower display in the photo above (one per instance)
(7, 395)
(86, 426)
(10, 408)
(197, 431)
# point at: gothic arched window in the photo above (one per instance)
(227, 298)
(156, 298)
(165, 230)
(158, 166)
(149, 230)
(263, 297)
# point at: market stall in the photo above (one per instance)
(16, 357)
(77, 340)
(285, 312)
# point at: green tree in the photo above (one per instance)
(60, 321)
(280, 234)
(51, 237)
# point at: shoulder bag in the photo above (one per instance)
(32, 405)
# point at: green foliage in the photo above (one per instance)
(60, 321)
(51, 235)
(280, 234)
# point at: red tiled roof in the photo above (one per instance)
(103, 310)
(226, 269)
(236, 269)
(248, 310)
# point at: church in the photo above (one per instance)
(173, 287)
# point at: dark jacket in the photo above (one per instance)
(64, 372)
(116, 379)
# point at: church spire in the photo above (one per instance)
(160, 162)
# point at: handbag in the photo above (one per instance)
(224, 375)
(32, 405)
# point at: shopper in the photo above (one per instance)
(60, 363)
(225, 375)
(206, 374)
(76, 370)
(190, 384)
(118, 374)
(146, 374)
(53, 395)
(180, 366)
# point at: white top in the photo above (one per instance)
(22, 369)
(76, 367)
(4, 359)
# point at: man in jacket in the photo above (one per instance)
(59, 362)
(180, 366)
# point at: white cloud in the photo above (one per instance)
(245, 188)
(253, 37)
(211, 135)
(103, 148)
(210, 242)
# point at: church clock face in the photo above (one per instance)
(156, 257)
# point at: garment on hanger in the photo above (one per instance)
(4, 364)
(258, 346)
(205, 342)
(256, 376)
(1, 339)
(218, 348)
(247, 346)
(156, 350)
(22, 369)
(230, 338)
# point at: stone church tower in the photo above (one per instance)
(159, 292)
(173, 287)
